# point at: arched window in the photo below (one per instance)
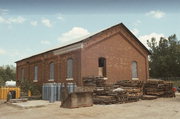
(35, 73)
(51, 71)
(134, 69)
(60, 71)
(70, 68)
(22, 74)
(102, 66)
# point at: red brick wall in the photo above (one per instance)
(119, 50)
(43, 61)
(115, 44)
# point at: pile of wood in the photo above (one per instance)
(130, 83)
(125, 91)
(121, 92)
(108, 95)
(149, 97)
(93, 81)
(159, 88)
(134, 89)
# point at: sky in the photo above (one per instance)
(28, 27)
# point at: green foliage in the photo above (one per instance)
(26, 85)
(165, 59)
(7, 73)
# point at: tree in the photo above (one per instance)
(165, 59)
(7, 73)
(28, 85)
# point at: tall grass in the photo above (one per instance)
(175, 80)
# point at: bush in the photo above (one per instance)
(26, 85)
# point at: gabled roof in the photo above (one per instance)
(135, 38)
(88, 37)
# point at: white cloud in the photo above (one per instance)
(3, 11)
(73, 34)
(18, 20)
(156, 14)
(2, 52)
(34, 23)
(47, 22)
(45, 42)
(60, 18)
(135, 31)
(144, 38)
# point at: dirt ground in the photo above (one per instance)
(162, 108)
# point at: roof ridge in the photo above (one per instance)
(90, 36)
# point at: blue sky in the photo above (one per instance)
(28, 27)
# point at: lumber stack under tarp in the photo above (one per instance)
(159, 88)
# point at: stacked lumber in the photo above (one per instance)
(121, 92)
(149, 97)
(159, 88)
(108, 95)
(130, 83)
(133, 94)
(134, 89)
(93, 81)
(125, 91)
(104, 100)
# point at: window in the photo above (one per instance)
(22, 74)
(36, 73)
(102, 66)
(70, 69)
(102, 62)
(60, 71)
(134, 69)
(51, 71)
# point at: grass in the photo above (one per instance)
(176, 83)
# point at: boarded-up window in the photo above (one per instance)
(134, 69)
(22, 74)
(70, 68)
(51, 71)
(35, 73)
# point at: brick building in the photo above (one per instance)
(114, 53)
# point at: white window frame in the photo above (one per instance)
(22, 74)
(71, 71)
(51, 71)
(35, 74)
(134, 66)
